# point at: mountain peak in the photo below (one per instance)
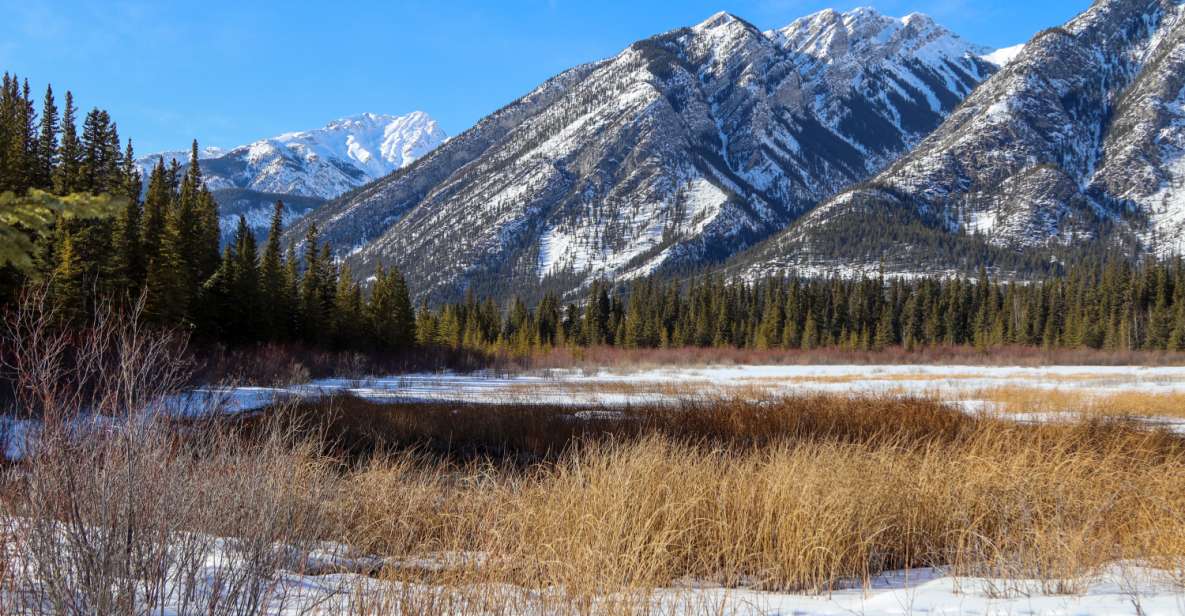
(379, 119)
(919, 20)
(717, 20)
(863, 12)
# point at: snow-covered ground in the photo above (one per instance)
(1122, 589)
(612, 387)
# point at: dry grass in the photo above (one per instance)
(1124, 403)
(796, 494)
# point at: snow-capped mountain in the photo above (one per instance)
(1078, 142)
(304, 169)
(684, 148)
(324, 162)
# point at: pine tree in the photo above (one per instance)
(210, 231)
(596, 315)
(403, 318)
(312, 321)
(156, 211)
(291, 294)
(347, 311)
(18, 136)
(68, 177)
(272, 278)
(220, 314)
(99, 165)
(167, 291)
(246, 284)
(886, 332)
(47, 143)
(129, 248)
(810, 333)
(390, 312)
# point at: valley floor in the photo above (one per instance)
(717, 490)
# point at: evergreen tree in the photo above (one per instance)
(68, 178)
(312, 318)
(246, 284)
(275, 295)
(390, 313)
(47, 143)
(129, 248)
(101, 157)
(68, 282)
(156, 211)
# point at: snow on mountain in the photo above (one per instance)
(1078, 143)
(1002, 57)
(307, 168)
(324, 162)
(683, 149)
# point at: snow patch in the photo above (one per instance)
(1004, 57)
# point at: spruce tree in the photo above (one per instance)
(128, 242)
(312, 323)
(403, 317)
(47, 143)
(246, 284)
(291, 294)
(68, 176)
(167, 292)
(272, 278)
(886, 333)
(156, 211)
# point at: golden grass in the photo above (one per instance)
(1014, 399)
(801, 494)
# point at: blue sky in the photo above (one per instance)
(231, 72)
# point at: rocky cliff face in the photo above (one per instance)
(1078, 141)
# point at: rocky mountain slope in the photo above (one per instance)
(307, 168)
(1078, 142)
(683, 149)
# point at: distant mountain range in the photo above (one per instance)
(682, 150)
(307, 168)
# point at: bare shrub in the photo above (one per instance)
(119, 507)
(113, 365)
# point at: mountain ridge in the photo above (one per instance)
(1078, 142)
(682, 149)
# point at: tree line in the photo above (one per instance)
(1113, 305)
